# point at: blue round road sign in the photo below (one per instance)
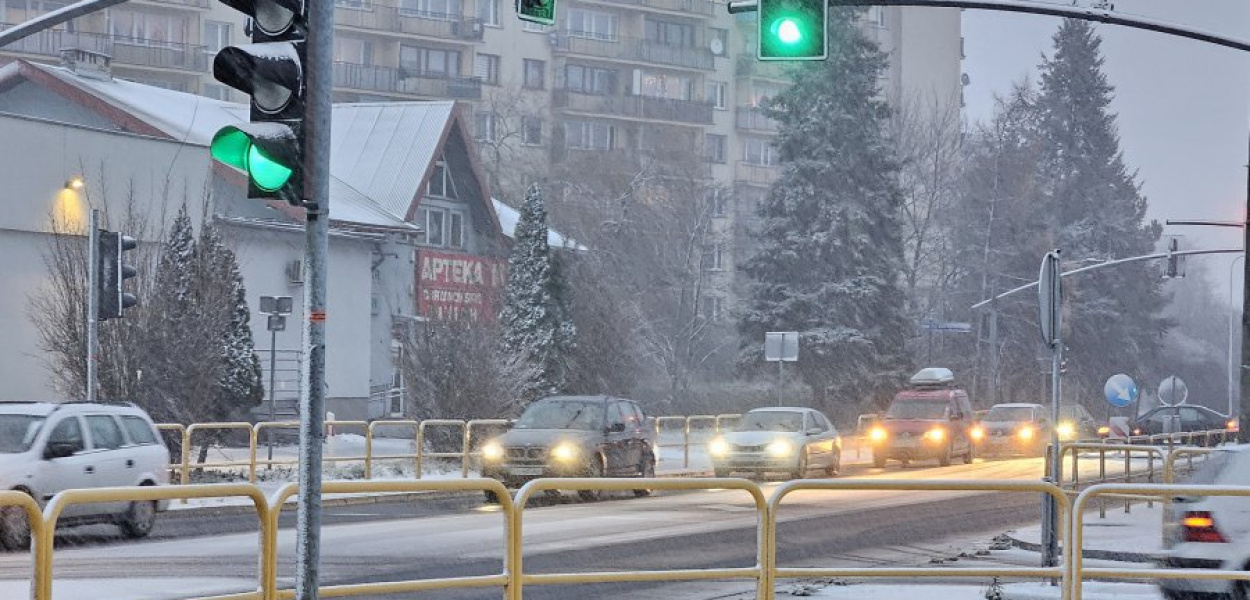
(1120, 390)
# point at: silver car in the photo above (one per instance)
(794, 441)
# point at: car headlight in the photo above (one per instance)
(1026, 433)
(878, 434)
(1104, 431)
(977, 433)
(564, 452)
(1066, 430)
(492, 451)
(936, 434)
(781, 448)
(718, 447)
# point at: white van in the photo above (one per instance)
(1210, 532)
(46, 448)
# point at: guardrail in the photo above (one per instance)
(1077, 573)
(1128, 450)
(512, 578)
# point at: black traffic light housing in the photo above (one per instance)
(272, 71)
(113, 273)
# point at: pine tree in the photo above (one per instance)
(223, 296)
(174, 371)
(830, 252)
(1097, 212)
(538, 331)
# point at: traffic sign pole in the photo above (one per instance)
(1050, 300)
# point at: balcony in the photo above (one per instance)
(201, 4)
(751, 118)
(633, 50)
(757, 174)
(697, 8)
(399, 81)
(392, 19)
(749, 66)
(125, 52)
(637, 107)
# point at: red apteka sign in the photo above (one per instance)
(459, 287)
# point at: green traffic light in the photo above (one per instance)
(233, 147)
(787, 30)
(792, 29)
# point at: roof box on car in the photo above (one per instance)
(933, 377)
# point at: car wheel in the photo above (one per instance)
(800, 469)
(14, 529)
(139, 519)
(945, 459)
(490, 497)
(835, 466)
(878, 461)
(646, 471)
(594, 471)
(968, 456)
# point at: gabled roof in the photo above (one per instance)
(382, 151)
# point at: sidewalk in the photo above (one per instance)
(1134, 537)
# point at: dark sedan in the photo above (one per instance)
(1174, 419)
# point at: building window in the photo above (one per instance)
(762, 93)
(440, 10)
(352, 50)
(216, 91)
(876, 16)
(216, 36)
(418, 61)
(717, 202)
(664, 85)
(712, 307)
(488, 12)
(147, 28)
(670, 33)
(352, 4)
(535, 73)
(486, 68)
(444, 228)
(712, 256)
(757, 151)
(591, 24)
(484, 126)
(589, 135)
(715, 93)
(716, 34)
(715, 148)
(441, 183)
(531, 131)
(455, 229)
(590, 80)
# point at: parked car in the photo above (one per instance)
(794, 441)
(1211, 532)
(1013, 429)
(573, 436)
(1076, 424)
(1174, 419)
(47, 448)
(931, 420)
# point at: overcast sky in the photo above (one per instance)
(1183, 106)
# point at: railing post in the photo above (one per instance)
(251, 454)
(685, 446)
(420, 448)
(369, 451)
(1128, 478)
(1102, 478)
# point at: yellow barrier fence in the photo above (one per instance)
(469, 428)
(1129, 451)
(421, 439)
(189, 434)
(370, 456)
(39, 568)
(773, 572)
(1078, 573)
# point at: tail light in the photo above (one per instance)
(1104, 431)
(1200, 527)
(1233, 426)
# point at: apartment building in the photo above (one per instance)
(611, 79)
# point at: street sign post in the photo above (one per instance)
(781, 347)
(1173, 391)
(1050, 302)
(277, 307)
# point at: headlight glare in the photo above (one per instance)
(1026, 433)
(1066, 430)
(936, 434)
(878, 434)
(564, 452)
(492, 451)
(977, 433)
(718, 447)
(781, 448)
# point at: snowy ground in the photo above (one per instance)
(1140, 530)
(1008, 591)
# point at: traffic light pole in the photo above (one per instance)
(93, 299)
(1243, 419)
(319, 65)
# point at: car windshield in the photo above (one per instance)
(18, 432)
(1005, 414)
(915, 408)
(562, 414)
(1075, 413)
(771, 421)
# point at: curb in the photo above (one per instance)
(1116, 555)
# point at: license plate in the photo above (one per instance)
(906, 442)
(526, 471)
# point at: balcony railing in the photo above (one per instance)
(642, 107)
(634, 50)
(400, 81)
(757, 174)
(748, 66)
(125, 52)
(702, 8)
(380, 17)
(752, 118)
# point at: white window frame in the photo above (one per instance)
(764, 154)
(485, 126)
(717, 94)
(487, 69)
(527, 126)
(586, 23)
(488, 12)
(217, 39)
(525, 73)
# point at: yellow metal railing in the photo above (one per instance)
(1078, 573)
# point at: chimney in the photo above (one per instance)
(87, 64)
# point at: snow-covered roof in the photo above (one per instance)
(508, 218)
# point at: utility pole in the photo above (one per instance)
(93, 300)
(1243, 419)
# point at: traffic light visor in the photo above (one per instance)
(268, 174)
(240, 150)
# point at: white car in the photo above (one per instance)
(790, 440)
(46, 448)
(1210, 532)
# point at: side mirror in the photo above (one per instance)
(616, 428)
(59, 450)
(814, 431)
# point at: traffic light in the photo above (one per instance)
(271, 70)
(1173, 268)
(537, 11)
(792, 30)
(113, 273)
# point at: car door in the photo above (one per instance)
(819, 444)
(114, 464)
(636, 428)
(616, 442)
(75, 471)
